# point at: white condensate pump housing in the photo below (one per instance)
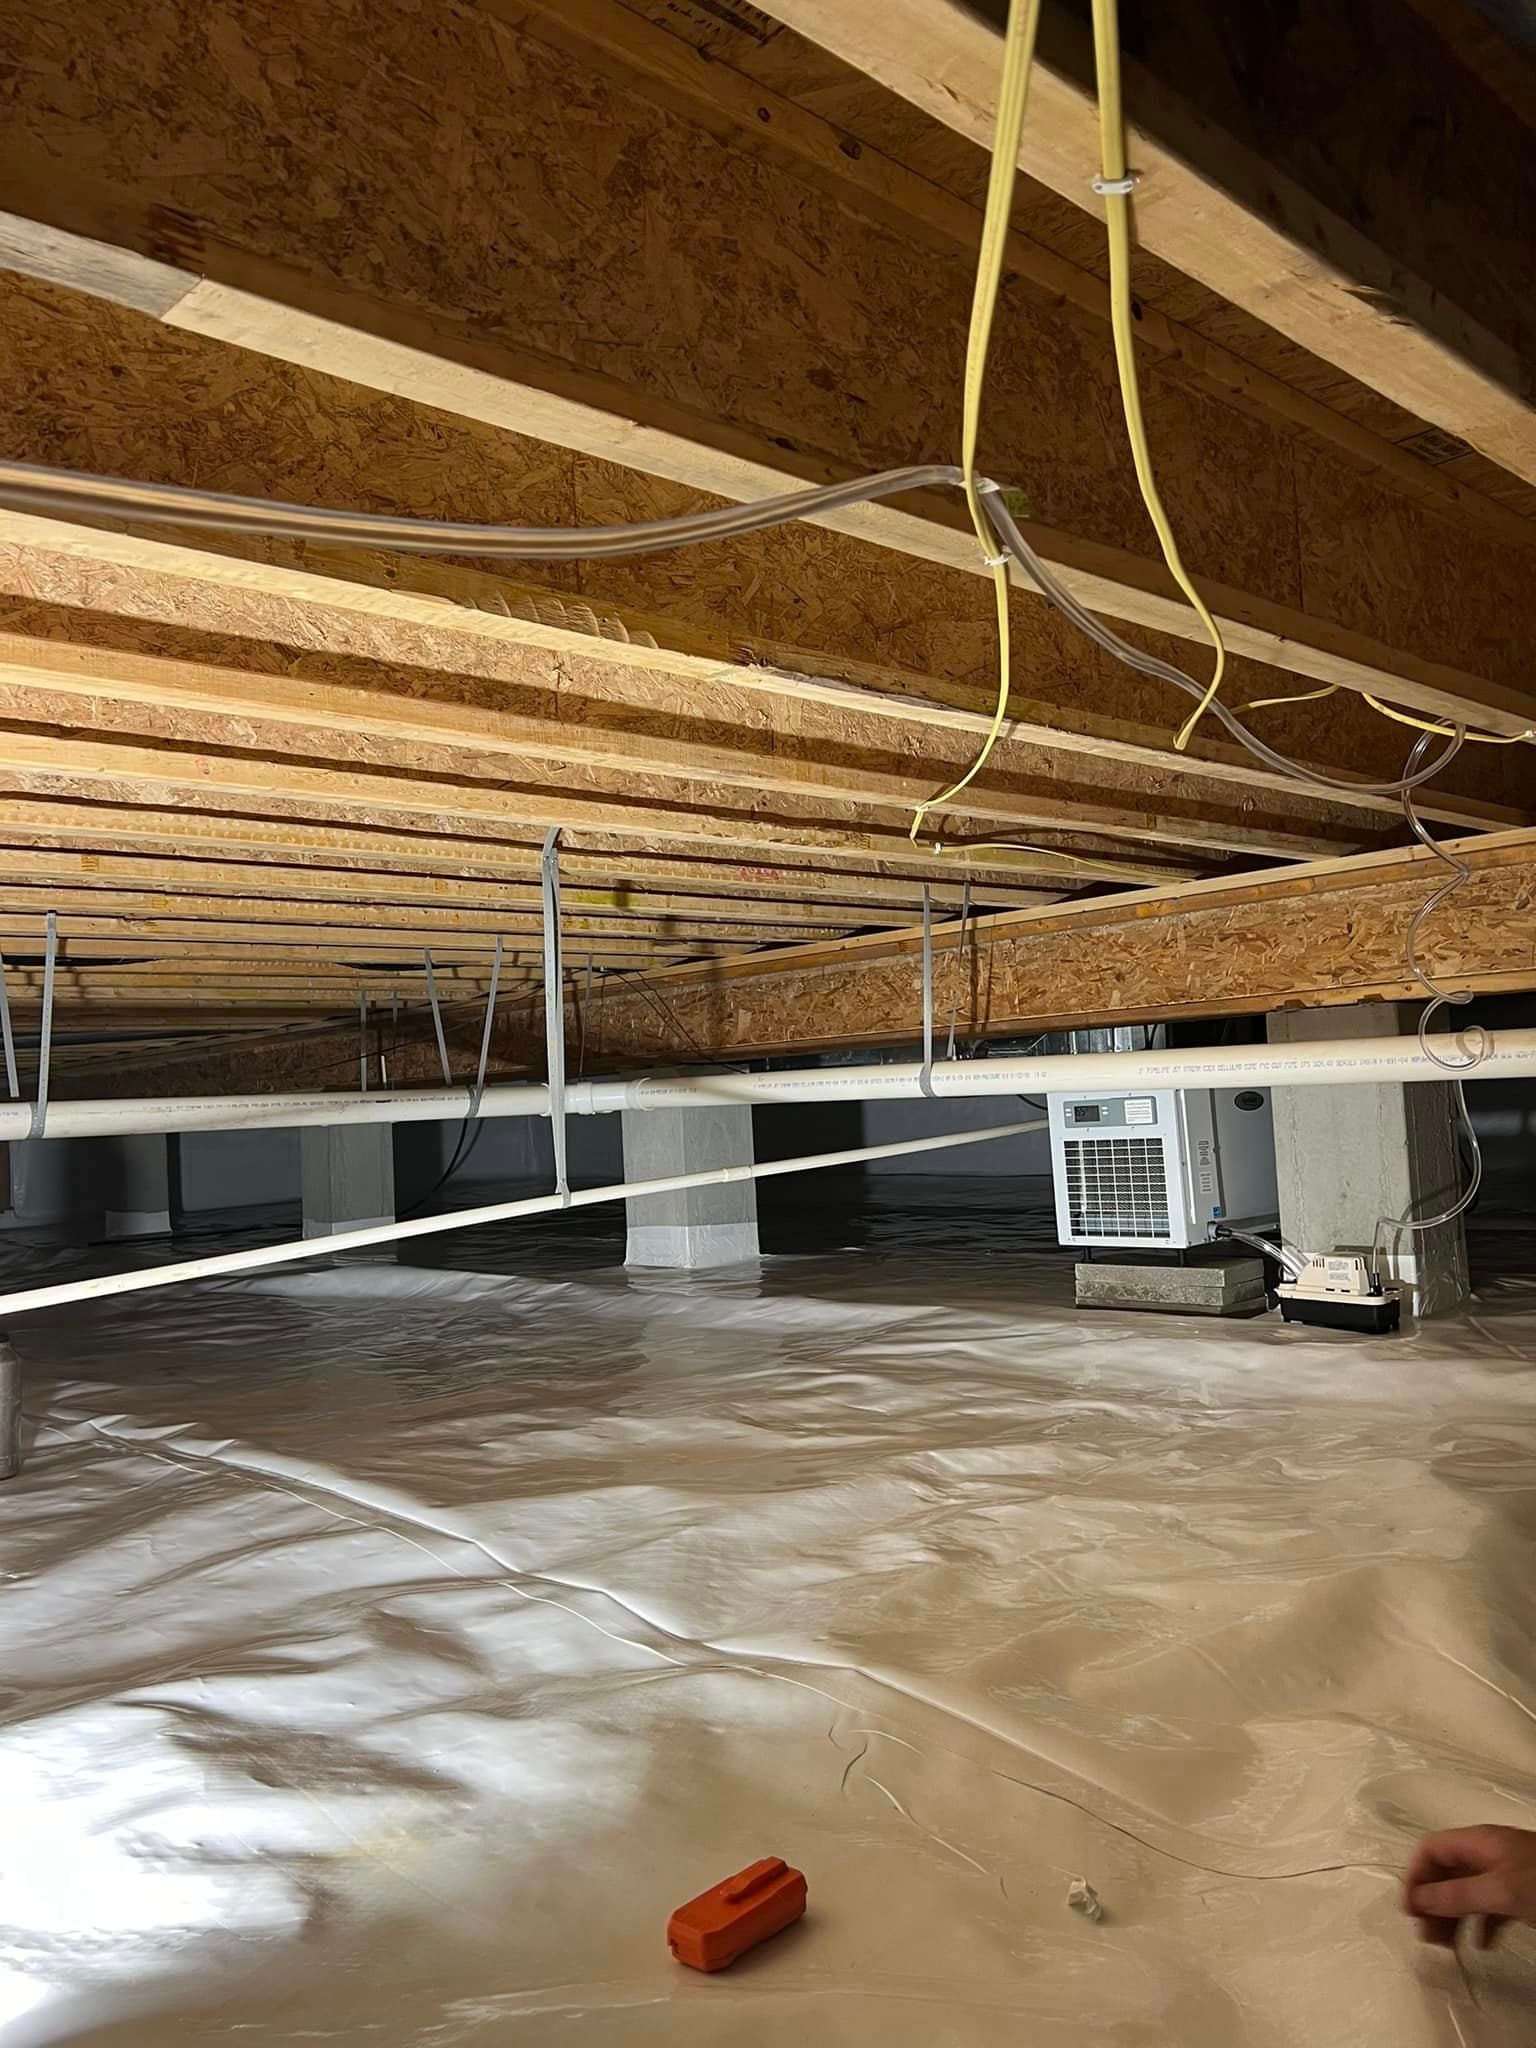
(1162, 1167)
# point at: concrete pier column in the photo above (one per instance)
(694, 1227)
(59, 1185)
(10, 1410)
(1346, 1156)
(347, 1175)
(142, 1177)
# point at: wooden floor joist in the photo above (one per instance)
(33, 762)
(171, 883)
(255, 778)
(113, 937)
(726, 607)
(1279, 200)
(791, 102)
(792, 342)
(738, 607)
(113, 595)
(441, 923)
(378, 858)
(827, 756)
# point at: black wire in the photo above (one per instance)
(462, 1153)
(668, 1015)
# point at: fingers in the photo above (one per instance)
(1443, 1933)
(1454, 1852)
(1487, 1891)
(1483, 1873)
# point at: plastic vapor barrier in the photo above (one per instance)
(388, 1651)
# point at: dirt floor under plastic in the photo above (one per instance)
(388, 1649)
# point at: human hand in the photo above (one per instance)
(1489, 1872)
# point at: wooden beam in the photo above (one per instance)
(1230, 196)
(1331, 932)
(388, 283)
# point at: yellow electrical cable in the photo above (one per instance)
(1445, 732)
(1013, 91)
(1117, 209)
(1084, 862)
(1301, 697)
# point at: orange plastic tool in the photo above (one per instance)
(724, 1922)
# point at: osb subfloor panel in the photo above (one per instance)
(389, 1651)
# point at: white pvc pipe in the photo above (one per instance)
(1506, 1055)
(1509, 1055)
(466, 1219)
(146, 1116)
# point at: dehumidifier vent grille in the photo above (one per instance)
(1116, 1187)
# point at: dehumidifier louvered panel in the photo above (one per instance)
(1116, 1187)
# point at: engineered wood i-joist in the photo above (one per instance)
(107, 938)
(891, 645)
(171, 881)
(385, 981)
(274, 1018)
(1309, 205)
(374, 856)
(109, 596)
(379, 920)
(772, 94)
(325, 224)
(76, 767)
(41, 679)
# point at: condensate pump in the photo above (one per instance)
(1337, 1290)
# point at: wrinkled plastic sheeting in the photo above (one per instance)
(389, 1651)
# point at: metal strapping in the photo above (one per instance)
(485, 1034)
(13, 1080)
(437, 1018)
(362, 1041)
(965, 918)
(554, 1004)
(586, 1011)
(925, 1078)
(45, 1043)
